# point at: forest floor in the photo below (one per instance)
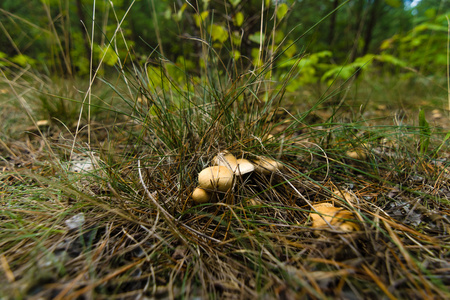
(108, 213)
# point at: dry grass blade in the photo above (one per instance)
(378, 281)
(103, 280)
(9, 275)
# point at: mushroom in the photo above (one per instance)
(255, 204)
(357, 154)
(199, 195)
(42, 123)
(217, 177)
(339, 217)
(267, 165)
(226, 159)
(237, 166)
(243, 167)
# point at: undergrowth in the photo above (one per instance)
(96, 202)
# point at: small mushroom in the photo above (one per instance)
(357, 154)
(255, 204)
(217, 177)
(199, 195)
(267, 165)
(244, 166)
(42, 123)
(226, 159)
(341, 218)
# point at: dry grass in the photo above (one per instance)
(139, 235)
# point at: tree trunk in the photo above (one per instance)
(373, 17)
(83, 29)
(360, 12)
(332, 29)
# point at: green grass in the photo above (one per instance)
(126, 227)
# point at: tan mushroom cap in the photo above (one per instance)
(237, 166)
(255, 203)
(356, 154)
(217, 177)
(199, 195)
(267, 165)
(244, 166)
(226, 159)
(340, 218)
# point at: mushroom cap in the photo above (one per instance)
(244, 166)
(199, 195)
(338, 217)
(42, 123)
(217, 177)
(255, 203)
(356, 154)
(226, 159)
(267, 165)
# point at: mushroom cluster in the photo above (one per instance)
(221, 176)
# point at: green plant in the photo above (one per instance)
(423, 47)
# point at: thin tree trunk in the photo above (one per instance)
(82, 23)
(358, 26)
(373, 17)
(332, 29)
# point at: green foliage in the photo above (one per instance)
(23, 60)
(423, 47)
(348, 70)
(81, 63)
(308, 69)
(201, 18)
(107, 54)
(234, 3)
(179, 14)
(238, 19)
(256, 38)
(394, 3)
(360, 64)
(282, 10)
(182, 31)
(218, 33)
(443, 144)
(3, 61)
(383, 57)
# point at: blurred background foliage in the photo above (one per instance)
(54, 37)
